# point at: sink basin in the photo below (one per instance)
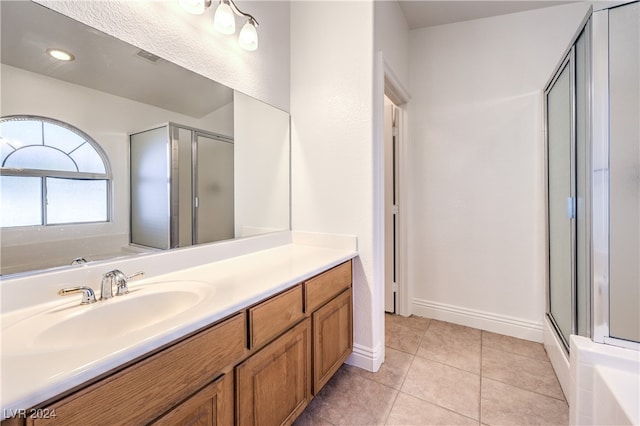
(73, 325)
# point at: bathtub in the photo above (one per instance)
(605, 384)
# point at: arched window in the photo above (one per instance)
(51, 173)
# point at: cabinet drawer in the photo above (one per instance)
(320, 289)
(271, 317)
(145, 390)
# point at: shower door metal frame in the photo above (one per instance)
(568, 61)
(585, 28)
(174, 181)
(195, 133)
(600, 130)
(600, 151)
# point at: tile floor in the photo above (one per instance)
(438, 373)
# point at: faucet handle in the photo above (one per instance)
(88, 296)
(121, 283)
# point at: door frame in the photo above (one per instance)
(392, 87)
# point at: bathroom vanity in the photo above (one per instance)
(260, 359)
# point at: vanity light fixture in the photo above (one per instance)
(61, 54)
(224, 20)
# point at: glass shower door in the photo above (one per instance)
(568, 191)
(214, 180)
(624, 173)
(561, 203)
(150, 178)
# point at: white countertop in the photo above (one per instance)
(32, 377)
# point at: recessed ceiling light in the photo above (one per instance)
(61, 55)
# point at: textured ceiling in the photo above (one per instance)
(426, 13)
(102, 62)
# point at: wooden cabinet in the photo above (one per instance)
(274, 385)
(212, 406)
(140, 393)
(275, 315)
(322, 288)
(261, 366)
(328, 298)
(332, 338)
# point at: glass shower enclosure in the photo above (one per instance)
(592, 105)
(181, 187)
(568, 200)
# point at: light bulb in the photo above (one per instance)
(61, 55)
(224, 21)
(248, 38)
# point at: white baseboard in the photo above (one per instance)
(502, 324)
(366, 358)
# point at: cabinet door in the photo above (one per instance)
(274, 385)
(212, 406)
(332, 338)
(142, 392)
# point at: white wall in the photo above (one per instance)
(165, 29)
(332, 152)
(477, 218)
(261, 167)
(221, 120)
(391, 37)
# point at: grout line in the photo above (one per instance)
(546, 359)
(414, 356)
(527, 390)
(480, 374)
(475, 373)
(439, 406)
(393, 404)
(406, 374)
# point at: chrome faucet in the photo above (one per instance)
(120, 280)
(88, 295)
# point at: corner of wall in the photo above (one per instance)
(367, 358)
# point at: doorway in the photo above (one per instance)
(394, 187)
(391, 205)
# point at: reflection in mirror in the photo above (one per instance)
(112, 90)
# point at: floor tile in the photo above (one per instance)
(514, 345)
(415, 322)
(409, 410)
(458, 349)
(503, 404)
(445, 386)
(393, 370)
(441, 373)
(521, 371)
(402, 338)
(307, 419)
(455, 330)
(350, 399)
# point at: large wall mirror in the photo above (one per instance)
(110, 92)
